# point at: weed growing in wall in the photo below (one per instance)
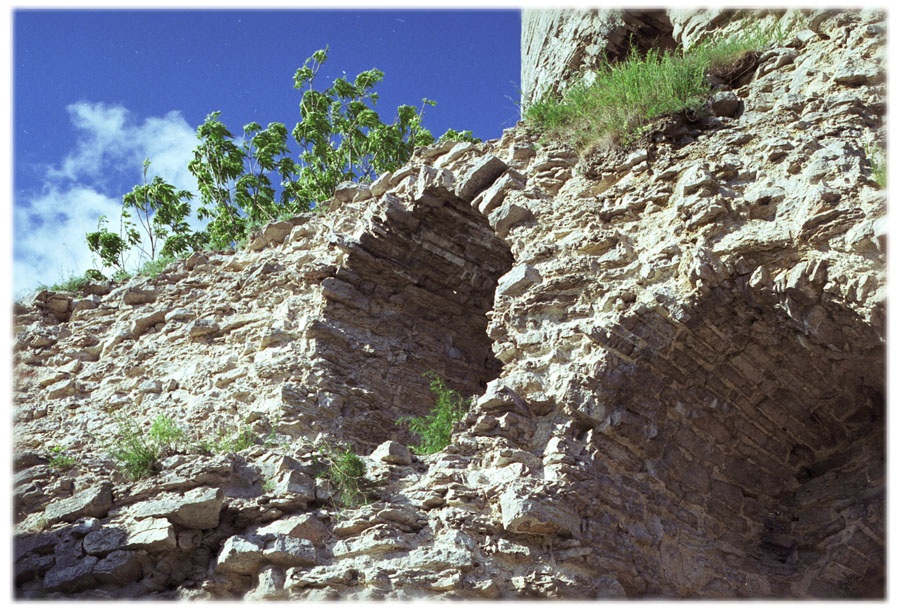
(345, 470)
(436, 428)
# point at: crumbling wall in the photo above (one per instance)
(678, 351)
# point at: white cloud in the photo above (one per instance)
(50, 225)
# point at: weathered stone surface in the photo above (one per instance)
(392, 452)
(290, 551)
(198, 508)
(92, 502)
(152, 535)
(103, 541)
(676, 357)
(297, 526)
(241, 555)
(118, 568)
(138, 295)
(72, 578)
(483, 174)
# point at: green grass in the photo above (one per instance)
(436, 428)
(229, 443)
(75, 283)
(630, 94)
(155, 267)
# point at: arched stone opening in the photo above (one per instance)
(410, 298)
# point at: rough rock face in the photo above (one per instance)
(677, 352)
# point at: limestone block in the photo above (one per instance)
(270, 585)
(142, 324)
(493, 196)
(103, 541)
(508, 215)
(481, 175)
(290, 551)
(137, 295)
(241, 555)
(72, 578)
(374, 541)
(304, 526)
(92, 502)
(381, 185)
(153, 535)
(118, 568)
(62, 389)
(392, 452)
(197, 509)
(517, 280)
(523, 511)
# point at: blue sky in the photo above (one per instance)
(97, 91)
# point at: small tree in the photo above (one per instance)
(218, 163)
(161, 211)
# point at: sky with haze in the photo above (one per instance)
(95, 92)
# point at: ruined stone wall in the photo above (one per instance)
(677, 352)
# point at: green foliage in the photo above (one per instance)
(340, 136)
(121, 276)
(76, 283)
(875, 158)
(111, 247)
(59, 461)
(346, 471)
(268, 485)
(232, 442)
(136, 453)
(165, 433)
(152, 268)
(451, 135)
(161, 211)
(436, 428)
(627, 95)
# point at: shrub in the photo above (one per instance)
(436, 428)
(132, 451)
(229, 443)
(137, 454)
(165, 433)
(627, 95)
(346, 471)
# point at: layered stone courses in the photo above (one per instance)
(678, 357)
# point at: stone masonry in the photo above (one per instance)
(677, 354)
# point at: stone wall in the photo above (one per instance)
(677, 352)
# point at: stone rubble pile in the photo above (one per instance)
(676, 353)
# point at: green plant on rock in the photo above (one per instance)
(346, 471)
(436, 428)
(229, 442)
(136, 453)
(875, 159)
(132, 451)
(60, 461)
